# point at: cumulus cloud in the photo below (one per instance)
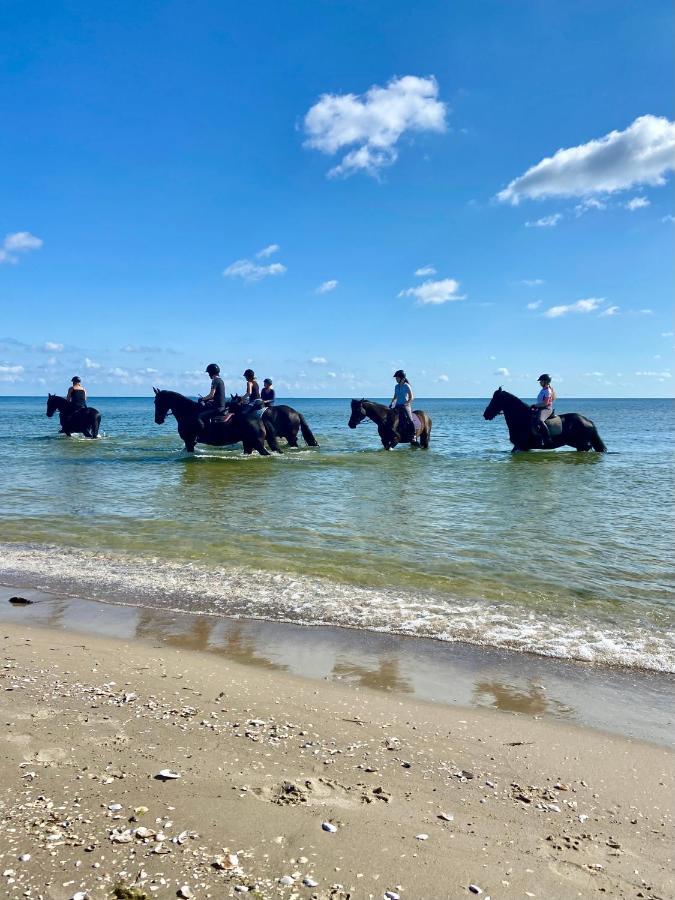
(504, 372)
(588, 204)
(319, 360)
(534, 305)
(668, 218)
(443, 378)
(52, 347)
(610, 311)
(250, 271)
(637, 203)
(10, 373)
(425, 271)
(373, 122)
(433, 293)
(17, 243)
(641, 154)
(270, 250)
(91, 364)
(545, 221)
(327, 286)
(581, 306)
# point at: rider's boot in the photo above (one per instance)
(545, 435)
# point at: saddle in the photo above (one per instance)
(221, 418)
(553, 424)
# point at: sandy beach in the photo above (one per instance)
(291, 787)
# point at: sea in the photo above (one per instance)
(555, 553)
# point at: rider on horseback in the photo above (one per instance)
(267, 394)
(77, 398)
(252, 401)
(542, 409)
(214, 402)
(402, 399)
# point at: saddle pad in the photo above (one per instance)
(223, 419)
(554, 425)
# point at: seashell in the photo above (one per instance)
(475, 889)
(185, 891)
(80, 895)
(114, 807)
(167, 775)
(392, 895)
(422, 837)
(241, 889)
(329, 827)
(446, 817)
(144, 832)
(308, 881)
(287, 880)
(25, 857)
(118, 836)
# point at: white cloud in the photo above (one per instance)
(52, 347)
(594, 375)
(637, 203)
(610, 311)
(642, 154)
(660, 375)
(425, 271)
(443, 378)
(534, 305)
(533, 282)
(268, 251)
(17, 243)
(250, 271)
(10, 373)
(331, 374)
(502, 371)
(668, 218)
(326, 286)
(581, 306)
(319, 360)
(374, 122)
(435, 292)
(90, 364)
(545, 221)
(589, 203)
(667, 334)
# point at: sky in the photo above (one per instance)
(476, 191)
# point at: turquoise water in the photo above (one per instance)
(557, 553)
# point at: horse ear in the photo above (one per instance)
(155, 390)
(499, 388)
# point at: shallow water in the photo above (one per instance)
(557, 553)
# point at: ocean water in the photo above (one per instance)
(557, 553)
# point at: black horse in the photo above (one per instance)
(74, 420)
(392, 424)
(217, 432)
(285, 421)
(571, 429)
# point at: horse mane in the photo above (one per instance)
(513, 397)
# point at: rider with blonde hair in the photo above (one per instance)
(542, 409)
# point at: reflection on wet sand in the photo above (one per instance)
(532, 701)
(202, 633)
(386, 676)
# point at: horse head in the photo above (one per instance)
(495, 406)
(358, 413)
(162, 405)
(235, 403)
(52, 404)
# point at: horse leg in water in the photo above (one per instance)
(271, 436)
(425, 434)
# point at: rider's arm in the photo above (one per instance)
(411, 396)
(69, 394)
(211, 394)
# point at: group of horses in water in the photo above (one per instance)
(237, 424)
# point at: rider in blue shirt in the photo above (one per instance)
(402, 399)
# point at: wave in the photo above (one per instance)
(244, 592)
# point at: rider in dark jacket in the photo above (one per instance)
(214, 402)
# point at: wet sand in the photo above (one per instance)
(426, 799)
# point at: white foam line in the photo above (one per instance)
(243, 592)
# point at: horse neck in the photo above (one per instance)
(61, 403)
(516, 412)
(179, 405)
(376, 412)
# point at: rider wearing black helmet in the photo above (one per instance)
(542, 409)
(402, 399)
(252, 399)
(214, 402)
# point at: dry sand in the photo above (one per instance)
(427, 801)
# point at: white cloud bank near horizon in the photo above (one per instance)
(374, 122)
(641, 154)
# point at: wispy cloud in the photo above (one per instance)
(373, 122)
(610, 311)
(52, 347)
(425, 271)
(10, 374)
(581, 306)
(641, 154)
(545, 221)
(270, 250)
(535, 304)
(319, 361)
(434, 293)
(17, 243)
(533, 282)
(662, 376)
(668, 218)
(326, 286)
(443, 379)
(503, 371)
(250, 271)
(588, 204)
(637, 203)
(91, 364)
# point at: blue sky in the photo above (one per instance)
(330, 190)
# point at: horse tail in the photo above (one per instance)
(96, 424)
(596, 442)
(307, 435)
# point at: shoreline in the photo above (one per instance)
(627, 702)
(425, 799)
